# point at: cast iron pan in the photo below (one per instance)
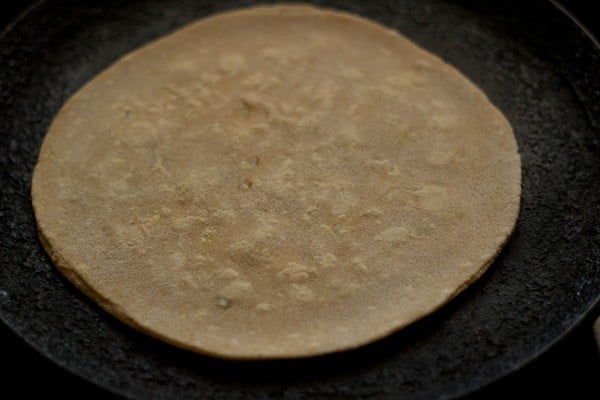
(533, 62)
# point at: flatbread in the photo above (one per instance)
(276, 182)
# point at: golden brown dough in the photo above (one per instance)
(276, 182)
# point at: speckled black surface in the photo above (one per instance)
(543, 75)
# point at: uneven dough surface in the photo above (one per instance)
(276, 182)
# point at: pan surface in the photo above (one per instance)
(535, 64)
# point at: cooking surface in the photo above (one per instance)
(456, 307)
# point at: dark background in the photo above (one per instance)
(571, 369)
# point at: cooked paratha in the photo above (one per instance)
(274, 182)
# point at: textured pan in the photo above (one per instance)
(534, 63)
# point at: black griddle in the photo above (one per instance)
(534, 64)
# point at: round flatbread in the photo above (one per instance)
(276, 182)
